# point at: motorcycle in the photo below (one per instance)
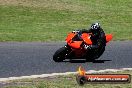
(76, 47)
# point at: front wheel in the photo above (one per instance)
(60, 54)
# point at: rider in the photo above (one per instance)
(97, 37)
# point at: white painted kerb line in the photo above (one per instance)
(58, 74)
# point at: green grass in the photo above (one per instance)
(68, 81)
(51, 20)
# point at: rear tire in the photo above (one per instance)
(60, 54)
(95, 54)
(101, 51)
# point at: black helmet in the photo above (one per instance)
(95, 28)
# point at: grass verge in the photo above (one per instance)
(68, 81)
(51, 20)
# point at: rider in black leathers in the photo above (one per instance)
(98, 38)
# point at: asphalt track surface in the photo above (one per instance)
(23, 59)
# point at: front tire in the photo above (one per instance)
(60, 54)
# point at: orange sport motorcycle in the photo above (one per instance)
(74, 49)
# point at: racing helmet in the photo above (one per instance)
(95, 28)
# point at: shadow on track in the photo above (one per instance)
(84, 61)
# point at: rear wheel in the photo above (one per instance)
(100, 52)
(60, 54)
(95, 54)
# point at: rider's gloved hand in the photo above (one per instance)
(79, 33)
